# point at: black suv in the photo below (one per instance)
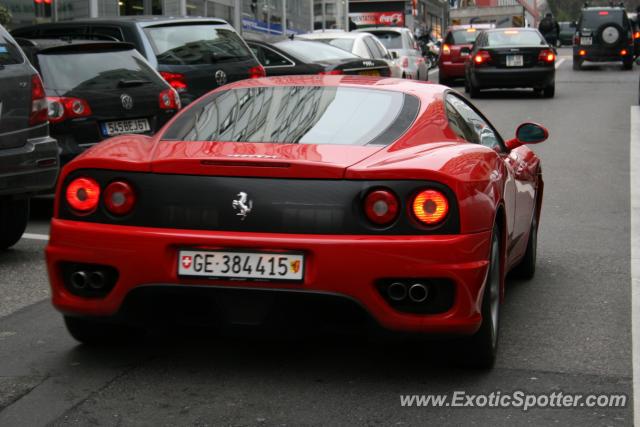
(28, 156)
(195, 55)
(603, 34)
(96, 90)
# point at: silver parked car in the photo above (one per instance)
(363, 45)
(28, 156)
(401, 41)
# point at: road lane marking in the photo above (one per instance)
(560, 61)
(34, 236)
(634, 173)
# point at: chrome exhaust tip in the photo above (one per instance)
(97, 280)
(397, 291)
(418, 292)
(79, 279)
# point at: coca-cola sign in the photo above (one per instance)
(394, 19)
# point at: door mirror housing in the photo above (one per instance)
(528, 133)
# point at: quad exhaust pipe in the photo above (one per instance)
(416, 293)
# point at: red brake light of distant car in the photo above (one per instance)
(624, 52)
(119, 198)
(430, 207)
(381, 207)
(65, 108)
(39, 111)
(603, 13)
(331, 73)
(482, 57)
(169, 100)
(83, 194)
(257, 72)
(546, 56)
(636, 35)
(446, 49)
(175, 80)
(582, 52)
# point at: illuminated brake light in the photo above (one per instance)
(546, 56)
(582, 52)
(83, 194)
(331, 73)
(63, 108)
(169, 99)
(38, 112)
(381, 207)
(482, 57)
(430, 207)
(624, 52)
(175, 80)
(511, 32)
(636, 35)
(471, 30)
(603, 13)
(257, 72)
(119, 198)
(446, 50)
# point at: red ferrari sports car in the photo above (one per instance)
(394, 198)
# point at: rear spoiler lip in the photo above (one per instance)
(89, 46)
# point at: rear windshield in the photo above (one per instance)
(390, 39)
(514, 38)
(196, 44)
(313, 51)
(95, 70)
(344, 44)
(593, 19)
(295, 115)
(464, 36)
(9, 53)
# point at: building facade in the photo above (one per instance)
(262, 18)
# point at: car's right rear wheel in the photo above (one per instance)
(14, 215)
(549, 91)
(98, 332)
(577, 63)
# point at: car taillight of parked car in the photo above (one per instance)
(331, 73)
(175, 80)
(547, 56)
(169, 99)
(482, 57)
(446, 50)
(636, 35)
(257, 72)
(39, 110)
(65, 108)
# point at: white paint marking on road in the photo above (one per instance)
(559, 62)
(33, 236)
(634, 172)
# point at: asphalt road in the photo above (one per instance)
(567, 330)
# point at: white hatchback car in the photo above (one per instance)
(364, 45)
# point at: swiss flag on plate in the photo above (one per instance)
(186, 261)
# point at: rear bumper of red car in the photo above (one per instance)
(451, 70)
(345, 265)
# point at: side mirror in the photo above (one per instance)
(394, 54)
(528, 133)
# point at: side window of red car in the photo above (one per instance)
(458, 124)
(484, 134)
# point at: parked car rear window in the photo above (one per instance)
(94, 70)
(514, 38)
(311, 52)
(340, 43)
(390, 39)
(9, 52)
(196, 44)
(464, 36)
(593, 19)
(294, 115)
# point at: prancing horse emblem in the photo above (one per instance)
(242, 205)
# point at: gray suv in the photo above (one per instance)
(28, 156)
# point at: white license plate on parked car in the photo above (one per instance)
(587, 41)
(125, 126)
(241, 265)
(514, 61)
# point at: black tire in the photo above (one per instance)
(471, 89)
(526, 269)
(577, 64)
(95, 332)
(14, 215)
(482, 347)
(549, 91)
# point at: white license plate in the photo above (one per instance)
(464, 53)
(587, 41)
(125, 126)
(241, 265)
(514, 61)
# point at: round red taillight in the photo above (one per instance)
(119, 198)
(430, 207)
(83, 194)
(381, 207)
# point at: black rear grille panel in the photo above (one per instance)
(301, 206)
